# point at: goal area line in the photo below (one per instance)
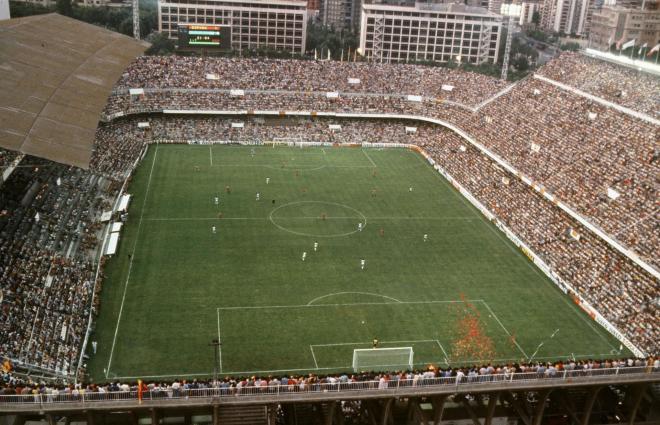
(367, 343)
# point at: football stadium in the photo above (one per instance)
(270, 241)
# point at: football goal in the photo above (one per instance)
(382, 358)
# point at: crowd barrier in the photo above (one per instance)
(391, 387)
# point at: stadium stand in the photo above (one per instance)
(308, 76)
(49, 236)
(615, 83)
(547, 133)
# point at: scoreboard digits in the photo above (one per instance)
(204, 36)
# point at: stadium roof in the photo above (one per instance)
(55, 77)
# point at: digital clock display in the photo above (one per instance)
(195, 35)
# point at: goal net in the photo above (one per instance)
(286, 141)
(382, 358)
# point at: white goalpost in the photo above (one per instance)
(287, 141)
(382, 358)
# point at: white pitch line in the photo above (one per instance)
(370, 342)
(443, 352)
(346, 293)
(130, 264)
(316, 365)
(219, 341)
(505, 329)
(211, 154)
(339, 305)
(310, 218)
(369, 158)
(289, 167)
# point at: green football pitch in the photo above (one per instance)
(189, 270)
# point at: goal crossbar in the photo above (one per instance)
(392, 357)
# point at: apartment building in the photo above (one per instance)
(429, 32)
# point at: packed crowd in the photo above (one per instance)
(617, 84)
(308, 76)
(622, 291)
(549, 135)
(12, 384)
(210, 100)
(8, 158)
(579, 150)
(48, 237)
(120, 143)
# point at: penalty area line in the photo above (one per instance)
(220, 342)
(443, 352)
(311, 348)
(505, 329)
(310, 218)
(263, 307)
(371, 342)
(373, 164)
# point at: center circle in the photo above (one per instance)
(318, 219)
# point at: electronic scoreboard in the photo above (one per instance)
(204, 36)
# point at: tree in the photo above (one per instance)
(18, 9)
(536, 18)
(321, 37)
(160, 45)
(64, 7)
(521, 63)
(570, 46)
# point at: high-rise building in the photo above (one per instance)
(45, 3)
(567, 16)
(614, 23)
(527, 10)
(339, 14)
(429, 32)
(276, 24)
(105, 3)
(4, 10)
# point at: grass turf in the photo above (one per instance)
(184, 285)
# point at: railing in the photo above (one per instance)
(383, 386)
